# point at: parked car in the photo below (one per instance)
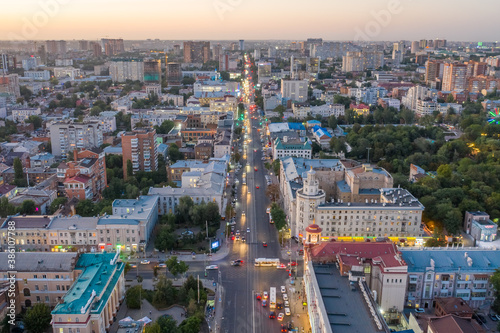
(145, 262)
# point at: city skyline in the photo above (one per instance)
(221, 20)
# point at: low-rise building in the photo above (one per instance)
(93, 300)
(42, 160)
(297, 148)
(447, 272)
(479, 226)
(20, 115)
(67, 72)
(360, 109)
(302, 110)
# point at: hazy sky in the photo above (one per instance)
(251, 19)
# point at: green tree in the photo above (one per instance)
(130, 168)
(176, 268)
(165, 238)
(95, 111)
(165, 127)
(453, 221)
(276, 167)
(37, 121)
(37, 319)
(167, 325)
(6, 208)
(18, 169)
(174, 154)
(54, 206)
(190, 325)
(495, 281)
(5, 325)
(279, 216)
(153, 328)
(133, 297)
(28, 207)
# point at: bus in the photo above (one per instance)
(266, 262)
(244, 178)
(272, 298)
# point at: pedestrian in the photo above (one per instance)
(150, 313)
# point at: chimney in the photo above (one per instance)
(75, 155)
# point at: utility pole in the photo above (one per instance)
(198, 288)
(369, 148)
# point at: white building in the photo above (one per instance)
(121, 70)
(367, 95)
(63, 72)
(177, 100)
(301, 111)
(107, 119)
(38, 75)
(390, 102)
(295, 90)
(285, 147)
(67, 136)
(20, 115)
(413, 95)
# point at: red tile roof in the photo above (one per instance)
(384, 254)
(78, 179)
(359, 106)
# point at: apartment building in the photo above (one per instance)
(139, 147)
(92, 303)
(67, 136)
(20, 115)
(454, 77)
(121, 70)
(302, 110)
(67, 72)
(294, 90)
(196, 52)
(43, 277)
(368, 95)
(450, 272)
(128, 228)
(360, 61)
(107, 119)
(433, 70)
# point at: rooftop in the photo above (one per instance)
(451, 323)
(446, 260)
(100, 273)
(28, 222)
(346, 309)
(41, 262)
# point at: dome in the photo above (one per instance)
(314, 229)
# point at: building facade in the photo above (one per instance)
(139, 147)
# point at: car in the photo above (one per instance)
(284, 328)
(281, 316)
(248, 191)
(255, 150)
(287, 311)
(265, 295)
(258, 296)
(257, 186)
(243, 239)
(283, 289)
(287, 304)
(162, 265)
(243, 213)
(264, 244)
(255, 168)
(279, 305)
(281, 266)
(235, 263)
(272, 315)
(145, 262)
(285, 297)
(133, 266)
(268, 210)
(493, 317)
(237, 232)
(264, 303)
(418, 310)
(293, 263)
(237, 237)
(248, 229)
(212, 267)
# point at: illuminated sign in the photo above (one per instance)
(215, 244)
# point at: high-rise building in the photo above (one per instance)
(4, 63)
(415, 47)
(299, 67)
(152, 71)
(83, 45)
(9, 84)
(360, 61)
(217, 51)
(439, 43)
(398, 52)
(121, 70)
(96, 49)
(66, 136)
(112, 47)
(242, 45)
(174, 73)
(454, 77)
(475, 68)
(432, 70)
(294, 90)
(56, 47)
(139, 147)
(196, 52)
(423, 43)
(264, 72)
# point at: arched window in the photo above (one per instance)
(26, 292)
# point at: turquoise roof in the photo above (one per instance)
(285, 145)
(98, 271)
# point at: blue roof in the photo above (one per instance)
(452, 260)
(313, 122)
(296, 126)
(320, 131)
(373, 191)
(343, 186)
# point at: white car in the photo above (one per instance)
(287, 304)
(212, 267)
(248, 229)
(287, 311)
(285, 297)
(145, 262)
(264, 295)
(283, 289)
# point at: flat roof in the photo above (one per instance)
(346, 309)
(28, 222)
(40, 261)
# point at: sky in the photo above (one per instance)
(457, 20)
